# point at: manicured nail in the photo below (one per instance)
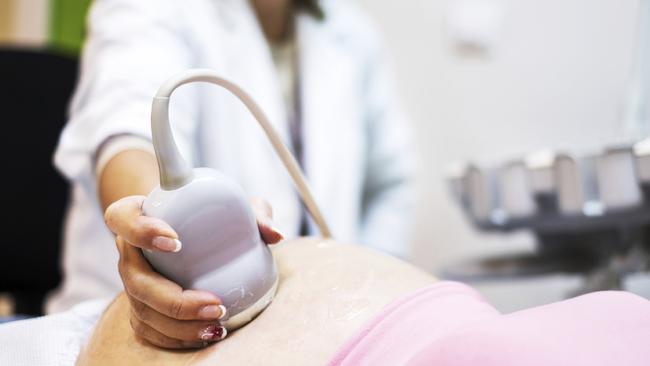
(179, 245)
(167, 244)
(220, 333)
(224, 312)
(277, 232)
(213, 333)
(210, 312)
(208, 333)
(270, 224)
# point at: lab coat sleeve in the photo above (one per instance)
(388, 195)
(131, 49)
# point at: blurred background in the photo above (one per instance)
(482, 80)
(494, 80)
(43, 24)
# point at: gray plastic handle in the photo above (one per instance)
(174, 170)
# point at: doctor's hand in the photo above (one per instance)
(162, 312)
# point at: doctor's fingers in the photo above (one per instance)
(264, 217)
(124, 218)
(184, 330)
(147, 286)
(145, 332)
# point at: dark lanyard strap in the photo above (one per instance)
(296, 133)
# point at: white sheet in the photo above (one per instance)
(53, 340)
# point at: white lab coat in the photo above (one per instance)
(356, 153)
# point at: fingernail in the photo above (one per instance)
(213, 333)
(208, 333)
(269, 223)
(276, 231)
(220, 333)
(224, 312)
(210, 312)
(167, 244)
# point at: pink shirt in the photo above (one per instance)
(450, 324)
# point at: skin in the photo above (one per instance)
(162, 312)
(274, 17)
(326, 292)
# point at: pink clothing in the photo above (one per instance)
(450, 324)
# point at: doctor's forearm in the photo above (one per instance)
(131, 172)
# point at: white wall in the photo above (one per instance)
(556, 78)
